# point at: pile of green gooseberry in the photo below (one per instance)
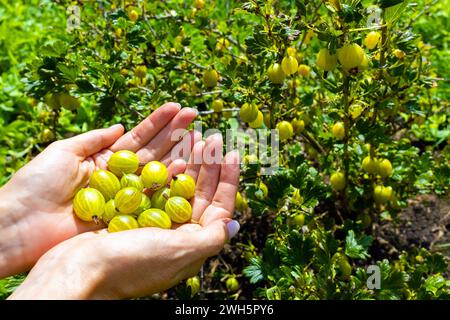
(125, 200)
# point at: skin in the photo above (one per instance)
(77, 260)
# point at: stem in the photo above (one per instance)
(163, 55)
(314, 143)
(345, 102)
(383, 44)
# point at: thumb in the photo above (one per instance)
(214, 236)
(89, 143)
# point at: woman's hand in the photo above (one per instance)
(36, 204)
(137, 262)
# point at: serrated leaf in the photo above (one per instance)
(255, 270)
(392, 13)
(357, 248)
(434, 283)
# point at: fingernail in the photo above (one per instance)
(217, 135)
(233, 227)
(115, 126)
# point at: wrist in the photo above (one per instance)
(64, 273)
(12, 257)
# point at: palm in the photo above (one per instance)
(53, 177)
(176, 254)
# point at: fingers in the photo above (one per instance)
(140, 135)
(89, 143)
(208, 176)
(225, 195)
(162, 143)
(211, 239)
(176, 167)
(188, 227)
(183, 149)
(195, 160)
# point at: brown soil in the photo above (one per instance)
(424, 223)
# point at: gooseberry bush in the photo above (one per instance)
(354, 87)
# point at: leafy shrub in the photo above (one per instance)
(394, 106)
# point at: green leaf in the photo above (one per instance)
(389, 3)
(300, 250)
(85, 86)
(357, 248)
(394, 12)
(434, 283)
(255, 271)
(273, 293)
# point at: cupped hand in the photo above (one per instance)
(36, 204)
(137, 262)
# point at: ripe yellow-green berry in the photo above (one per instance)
(199, 4)
(399, 54)
(52, 100)
(337, 181)
(297, 197)
(232, 284)
(194, 284)
(298, 220)
(291, 51)
(262, 192)
(364, 64)
(248, 112)
(178, 209)
(217, 105)
(159, 198)
(325, 60)
(276, 74)
(89, 204)
(298, 125)
(133, 15)
(128, 200)
(371, 40)
(251, 159)
(267, 119)
(303, 70)
(144, 205)
(122, 223)
(122, 162)
(154, 175)
(370, 165)
(210, 78)
(289, 65)
(338, 130)
(69, 102)
(241, 203)
(385, 168)
(222, 44)
(285, 130)
(350, 55)
(110, 211)
(182, 185)
(258, 121)
(140, 71)
(154, 218)
(132, 180)
(105, 182)
(382, 194)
